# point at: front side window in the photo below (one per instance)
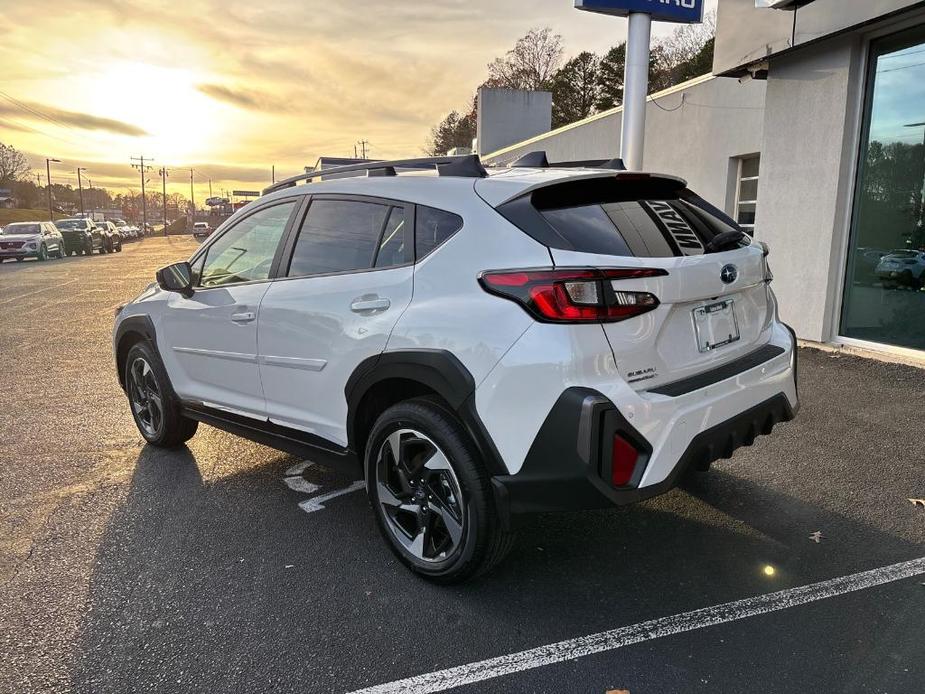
(245, 252)
(349, 235)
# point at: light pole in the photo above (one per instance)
(51, 212)
(921, 220)
(80, 189)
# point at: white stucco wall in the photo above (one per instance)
(507, 116)
(807, 168)
(693, 130)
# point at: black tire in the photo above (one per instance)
(171, 428)
(482, 541)
(62, 251)
(43, 253)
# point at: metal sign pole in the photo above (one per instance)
(636, 89)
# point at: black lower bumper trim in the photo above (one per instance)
(556, 478)
(708, 378)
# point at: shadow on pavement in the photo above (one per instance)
(229, 586)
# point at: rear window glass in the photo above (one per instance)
(644, 228)
(642, 218)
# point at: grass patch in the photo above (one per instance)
(7, 216)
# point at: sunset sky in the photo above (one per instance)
(230, 88)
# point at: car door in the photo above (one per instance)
(348, 277)
(208, 340)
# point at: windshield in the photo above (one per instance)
(22, 228)
(71, 224)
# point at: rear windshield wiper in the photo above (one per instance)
(725, 241)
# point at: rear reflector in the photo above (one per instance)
(573, 296)
(623, 460)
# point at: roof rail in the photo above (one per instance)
(466, 166)
(538, 160)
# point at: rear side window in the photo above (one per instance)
(646, 219)
(347, 235)
(432, 228)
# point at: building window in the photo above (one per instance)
(884, 298)
(747, 193)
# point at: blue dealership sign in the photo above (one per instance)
(681, 11)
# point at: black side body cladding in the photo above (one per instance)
(439, 371)
(141, 325)
(282, 438)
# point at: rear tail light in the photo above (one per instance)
(623, 459)
(573, 296)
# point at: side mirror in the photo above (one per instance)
(176, 278)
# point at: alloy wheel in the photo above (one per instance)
(147, 402)
(420, 496)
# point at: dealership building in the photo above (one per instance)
(811, 133)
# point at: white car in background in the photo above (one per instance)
(902, 267)
(23, 240)
(476, 346)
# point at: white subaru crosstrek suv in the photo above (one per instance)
(476, 346)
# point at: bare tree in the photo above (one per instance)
(686, 53)
(530, 64)
(13, 164)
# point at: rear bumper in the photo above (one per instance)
(568, 466)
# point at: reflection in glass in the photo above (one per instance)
(884, 296)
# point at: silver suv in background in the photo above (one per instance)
(23, 240)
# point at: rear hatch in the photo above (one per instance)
(714, 303)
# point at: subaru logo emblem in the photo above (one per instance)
(729, 274)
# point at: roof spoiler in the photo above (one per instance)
(465, 166)
(538, 160)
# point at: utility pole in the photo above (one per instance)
(192, 198)
(143, 168)
(90, 193)
(51, 212)
(80, 188)
(362, 144)
(164, 174)
(273, 174)
(210, 186)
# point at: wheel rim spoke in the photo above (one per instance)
(453, 527)
(145, 397)
(419, 496)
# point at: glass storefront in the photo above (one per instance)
(885, 285)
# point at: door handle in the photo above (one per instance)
(372, 303)
(243, 317)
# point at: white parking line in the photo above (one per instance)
(646, 631)
(315, 503)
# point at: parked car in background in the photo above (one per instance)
(148, 229)
(81, 236)
(201, 230)
(902, 267)
(23, 240)
(112, 237)
(124, 230)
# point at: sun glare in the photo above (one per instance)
(181, 122)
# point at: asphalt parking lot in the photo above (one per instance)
(230, 567)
